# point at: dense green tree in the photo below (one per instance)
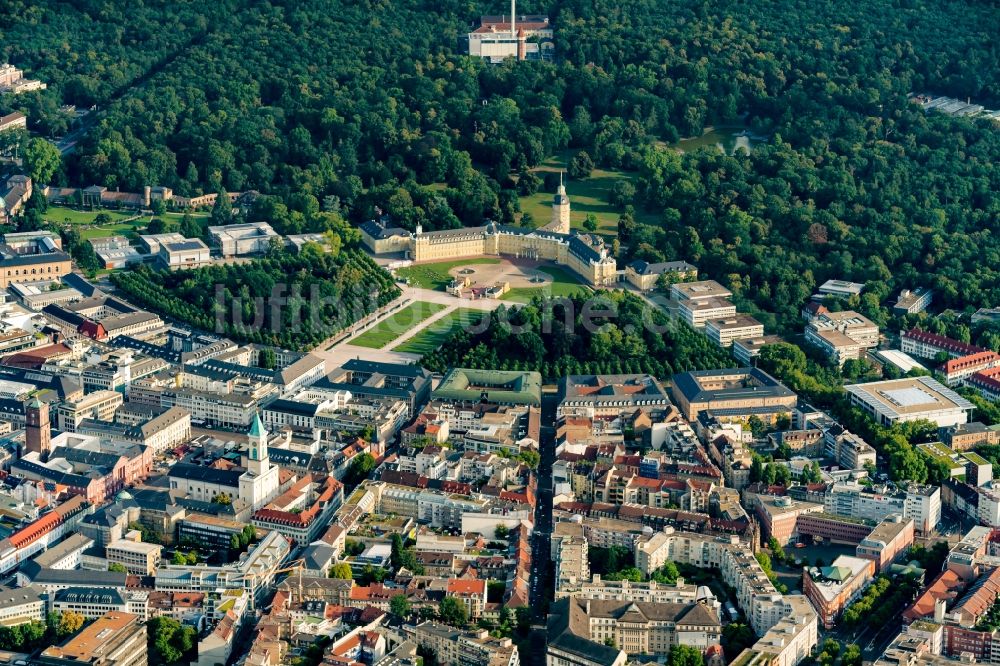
(170, 642)
(685, 655)
(41, 161)
(452, 611)
(342, 570)
(399, 606)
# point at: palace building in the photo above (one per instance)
(585, 255)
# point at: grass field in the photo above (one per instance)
(60, 215)
(435, 276)
(589, 195)
(435, 334)
(394, 326)
(564, 283)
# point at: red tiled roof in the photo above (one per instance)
(465, 587)
(946, 586)
(969, 361)
(942, 342)
(986, 378)
(35, 530)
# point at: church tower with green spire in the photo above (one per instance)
(260, 484)
(258, 461)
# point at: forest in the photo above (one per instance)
(855, 182)
(371, 104)
(293, 301)
(612, 333)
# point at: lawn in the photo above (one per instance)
(60, 215)
(564, 283)
(435, 334)
(435, 276)
(589, 195)
(394, 326)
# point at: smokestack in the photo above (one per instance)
(513, 18)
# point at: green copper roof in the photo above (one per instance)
(839, 574)
(257, 429)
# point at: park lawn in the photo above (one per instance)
(128, 229)
(564, 284)
(432, 337)
(395, 325)
(589, 195)
(60, 215)
(435, 276)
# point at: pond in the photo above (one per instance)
(725, 138)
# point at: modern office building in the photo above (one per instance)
(116, 639)
(910, 399)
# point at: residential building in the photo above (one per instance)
(19, 605)
(831, 589)
(887, 541)
(920, 503)
(469, 648)
(910, 399)
(572, 563)
(471, 592)
(788, 641)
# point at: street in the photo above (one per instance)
(540, 556)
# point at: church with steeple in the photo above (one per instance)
(249, 487)
(259, 485)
